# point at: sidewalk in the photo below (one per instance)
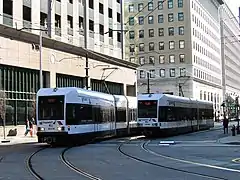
(18, 140)
(231, 140)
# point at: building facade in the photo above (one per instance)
(231, 54)
(61, 23)
(178, 42)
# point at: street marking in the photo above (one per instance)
(237, 160)
(189, 162)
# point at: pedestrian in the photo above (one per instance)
(27, 127)
(31, 127)
(225, 124)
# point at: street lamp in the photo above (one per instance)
(40, 52)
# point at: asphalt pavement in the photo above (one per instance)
(199, 155)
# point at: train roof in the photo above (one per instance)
(73, 91)
(166, 97)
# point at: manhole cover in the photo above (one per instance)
(236, 160)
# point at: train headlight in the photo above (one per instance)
(61, 128)
(41, 128)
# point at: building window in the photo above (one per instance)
(171, 44)
(141, 33)
(131, 8)
(91, 4)
(141, 47)
(172, 72)
(150, 20)
(109, 12)
(171, 58)
(119, 35)
(101, 29)
(132, 48)
(150, 6)
(171, 31)
(160, 18)
(151, 46)
(141, 60)
(161, 45)
(181, 44)
(170, 4)
(142, 74)
(131, 21)
(101, 8)
(118, 17)
(161, 31)
(132, 59)
(180, 3)
(131, 34)
(161, 59)
(140, 7)
(152, 73)
(182, 58)
(151, 60)
(91, 25)
(151, 32)
(180, 16)
(170, 17)
(162, 72)
(181, 30)
(160, 5)
(141, 20)
(182, 72)
(200, 95)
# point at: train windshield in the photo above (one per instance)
(51, 107)
(147, 109)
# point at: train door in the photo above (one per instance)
(112, 120)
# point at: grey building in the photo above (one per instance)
(179, 43)
(230, 53)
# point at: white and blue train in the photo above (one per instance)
(72, 115)
(165, 115)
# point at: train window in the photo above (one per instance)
(147, 109)
(84, 113)
(121, 114)
(70, 114)
(51, 108)
(96, 114)
(78, 114)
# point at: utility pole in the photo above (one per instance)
(179, 89)
(121, 8)
(40, 60)
(49, 18)
(85, 41)
(148, 83)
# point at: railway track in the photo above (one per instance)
(30, 167)
(76, 169)
(38, 176)
(120, 149)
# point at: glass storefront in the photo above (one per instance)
(20, 86)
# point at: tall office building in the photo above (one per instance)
(230, 53)
(179, 43)
(63, 54)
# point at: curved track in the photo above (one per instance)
(74, 168)
(30, 167)
(120, 149)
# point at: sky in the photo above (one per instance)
(233, 5)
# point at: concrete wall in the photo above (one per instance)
(21, 54)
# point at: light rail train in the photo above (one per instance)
(73, 114)
(165, 115)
